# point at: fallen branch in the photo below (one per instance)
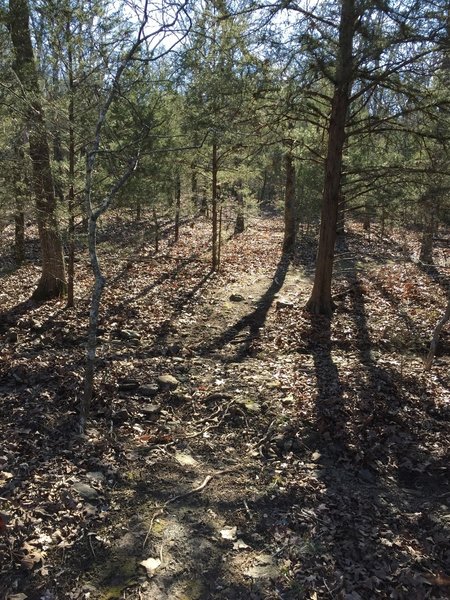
(199, 488)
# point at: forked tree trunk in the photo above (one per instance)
(290, 212)
(321, 301)
(52, 282)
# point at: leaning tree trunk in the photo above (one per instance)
(290, 212)
(52, 282)
(321, 301)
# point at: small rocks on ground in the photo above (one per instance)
(85, 491)
(167, 382)
(149, 390)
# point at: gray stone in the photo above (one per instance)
(96, 476)
(149, 390)
(151, 410)
(284, 303)
(167, 382)
(128, 385)
(85, 491)
(127, 335)
(237, 298)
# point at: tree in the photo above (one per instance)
(145, 35)
(218, 74)
(52, 282)
(321, 301)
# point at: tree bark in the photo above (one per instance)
(19, 215)
(177, 208)
(429, 224)
(340, 225)
(215, 258)
(71, 193)
(239, 225)
(436, 335)
(52, 282)
(19, 233)
(290, 212)
(321, 301)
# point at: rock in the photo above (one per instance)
(283, 303)
(120, 416)
(149, 390)
(151, 410)
(85, 491)
(265, 567)
(96, 476)
(278, 440)
(237, 298)
(12, 337)
(179, 399)
(126, 334)
(128, 385)
(167, 382)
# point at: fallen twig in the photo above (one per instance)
(199, 488)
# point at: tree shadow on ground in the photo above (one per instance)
(371, 456)
(9, 318)
(436, 274)
(248, 328)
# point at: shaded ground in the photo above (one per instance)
(295, 458)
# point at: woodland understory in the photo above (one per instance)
(293, 456)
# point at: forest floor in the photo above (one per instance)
(288, 457)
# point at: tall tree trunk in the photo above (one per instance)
(429, 224)
(239, 225)
(71, 194)
(290, 212)
(156, 230)
(52, 282)
(321, 301)
(340, 225)
(436, 335)
(215, 258)
(194, 188)
(19, 215)
(19, 232)
(262, 194)
(177, 207)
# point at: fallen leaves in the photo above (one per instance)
(347, 438)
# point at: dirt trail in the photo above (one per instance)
(290, 458)
(208, 540)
